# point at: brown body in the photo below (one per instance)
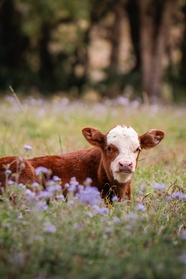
(94, 163)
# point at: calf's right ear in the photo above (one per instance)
(93, 136)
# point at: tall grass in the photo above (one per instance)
(74, 240)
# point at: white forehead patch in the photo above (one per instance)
(127, 141)
(123, 137)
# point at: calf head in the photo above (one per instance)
(121, 147)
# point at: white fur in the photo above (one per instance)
(127, 141)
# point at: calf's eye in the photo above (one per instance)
(137, 149)
(109, 149)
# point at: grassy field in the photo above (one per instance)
(145, 240)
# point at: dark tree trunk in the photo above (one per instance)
(115, 40)
(155, 26)
(183, 50)
(13, 44)
(132, 9)
(46, 70)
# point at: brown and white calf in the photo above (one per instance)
(110, 164)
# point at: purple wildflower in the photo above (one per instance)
(100, 210)
(159, 186)
(140, 207)
(7, 172)
(41, 170)
(183, 235)
(90, 195)
(115, 198)
(49, 228)
(27, 147)
(41, 205)
(176, 195)
(182, 258)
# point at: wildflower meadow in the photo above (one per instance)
(44, 236)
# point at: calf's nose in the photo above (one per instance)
(125, 165)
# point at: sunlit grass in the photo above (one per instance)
(76, 240)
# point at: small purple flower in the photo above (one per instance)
(73, 185)
(29, 193)
(100, 210)
(70, 203)
(116, 220)
(56, 178)
(49, 228)
(20, 217)
(115, 198)
(7, 172)
(168, 198)
(60, 197)
(41, 205)
(90, 195)
(140, 207)
(41, 170)
(76, 226)
(141, 189)
(10, 182)
(183, 196)
(35, 185)
(53, 188)
(176, 195)
(182, 258)
(159, 186)
(27, 147)
(131, 216)
(183, 235)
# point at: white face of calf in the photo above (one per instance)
(120, 149)
(127, 143)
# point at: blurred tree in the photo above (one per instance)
(13, 44)
(155, 18)
(46, 44)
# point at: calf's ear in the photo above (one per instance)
(151, 138)
(93, 136)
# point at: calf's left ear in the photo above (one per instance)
(151, 138)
